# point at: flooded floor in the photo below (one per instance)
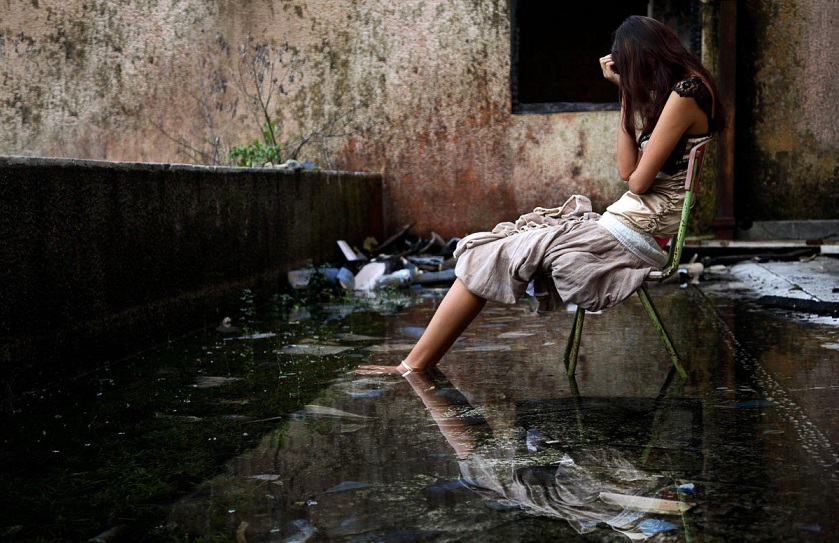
(265, 434)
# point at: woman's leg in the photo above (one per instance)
(457, 310)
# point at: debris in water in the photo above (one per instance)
(357, 337)
(213, 381)
(349, 253)
(347, 485)
(649, 505)
(265, 477)
(108, 535)
(312, 410)
(391, 348)
(488, 348)
(687, 488)
(262, 335)
(300, 279)
(534, 440)
(304, 533)
(514, 335)
(226, 327)
(367, 276)
(652, 526)
(312, 349)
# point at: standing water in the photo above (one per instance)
(261, 432)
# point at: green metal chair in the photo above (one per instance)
(572, 348)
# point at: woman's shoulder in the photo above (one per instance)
(692, 86)
(695, 87)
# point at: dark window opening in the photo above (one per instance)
(555, 51)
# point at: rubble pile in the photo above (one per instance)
(401, 261)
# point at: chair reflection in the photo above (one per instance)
(584, 460)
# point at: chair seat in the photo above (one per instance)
(694, 171)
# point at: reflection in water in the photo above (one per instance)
(754, 428)
(372, 466)
(590, 487)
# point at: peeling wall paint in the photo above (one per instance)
(124, 80)
(127, 80)
(788, 85)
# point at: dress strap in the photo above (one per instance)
(694, 87)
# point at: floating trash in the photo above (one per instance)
(312, 410)
(350, 428)
(213, 381)
(262, 335)
(514, 335)
(265, 477)
(653, 526)
(491, 348)
(372, 393)
(312, 349)
(357, 337)
(391, 348)
(226, 327)
(503, 505)
(305, 531)
(687, 488)
(347, 485)
(534, 440)
(642, 503)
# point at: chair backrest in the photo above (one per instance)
(694, 172)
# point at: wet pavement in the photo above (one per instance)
(499, 445)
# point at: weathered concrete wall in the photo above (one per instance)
(100, 260)
(128, 80)
(787, 147)
(147, 81)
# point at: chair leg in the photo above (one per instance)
(665, 338)
(572, 347)
(578, 405)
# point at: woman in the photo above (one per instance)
(570, 254)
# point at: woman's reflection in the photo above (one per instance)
(589, 488)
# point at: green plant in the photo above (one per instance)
(259, 152)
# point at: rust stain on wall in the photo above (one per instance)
(788, 142)
(429, 82)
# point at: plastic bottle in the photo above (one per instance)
(399, 278)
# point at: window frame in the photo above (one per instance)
(541, 107)
(693, 38)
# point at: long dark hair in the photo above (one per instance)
(650, 59)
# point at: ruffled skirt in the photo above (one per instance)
(567, 254)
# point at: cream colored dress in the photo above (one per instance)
(571, 254)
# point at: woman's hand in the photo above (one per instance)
(607, 65)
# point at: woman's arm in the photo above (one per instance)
(680, 115)
(456, 432)
(627, 151)
(627, 148)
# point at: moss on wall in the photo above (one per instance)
(155, 80)
(428, 87)
(788, 84)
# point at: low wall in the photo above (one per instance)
(99, 259)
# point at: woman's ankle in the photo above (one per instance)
(406, 370)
